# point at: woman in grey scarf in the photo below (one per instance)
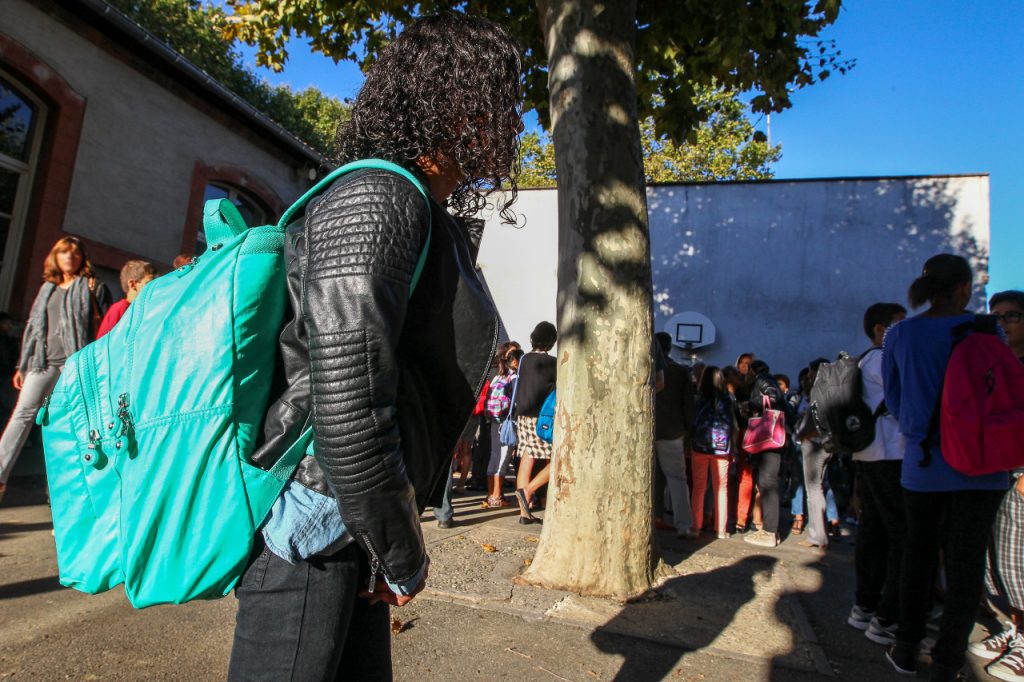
(64, 317)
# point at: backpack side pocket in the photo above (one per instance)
(83, 489)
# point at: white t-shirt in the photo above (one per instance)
(888, 443)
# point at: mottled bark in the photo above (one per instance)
(597, 533)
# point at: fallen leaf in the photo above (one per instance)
(460, 537)
(533, 538)
(527, 562)
(489, 548)
(397, 626)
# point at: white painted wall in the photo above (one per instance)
(785, 269)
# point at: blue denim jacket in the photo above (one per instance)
(303, 522)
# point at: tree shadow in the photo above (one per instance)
(27, 588)
(763, 258)
(20, 528)
(695, 609)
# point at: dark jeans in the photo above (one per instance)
(880, 537)
(445, 512)
(958, 524)
(306, 621)
(767, 464)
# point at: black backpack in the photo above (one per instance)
(712, 434)
(845, 423)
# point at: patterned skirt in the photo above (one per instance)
(530, 444)
(1005, 575)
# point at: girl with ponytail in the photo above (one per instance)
(945, 509)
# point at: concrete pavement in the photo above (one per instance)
(730, 611)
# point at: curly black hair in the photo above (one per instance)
(448, 87)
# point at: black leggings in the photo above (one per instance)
(767, 464)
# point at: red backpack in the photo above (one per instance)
(981, 412)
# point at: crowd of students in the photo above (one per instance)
(925, 531)
(512, 398)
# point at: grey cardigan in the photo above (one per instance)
(76, 322)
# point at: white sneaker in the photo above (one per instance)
(762, 538)
(1010, 666)
(860, 618)
(881, 632)
(994, 646)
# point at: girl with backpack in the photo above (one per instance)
(64, 317)
(947, 512)
(499, 404)
(714, 440)
(537, 373)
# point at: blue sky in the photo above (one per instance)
(938, 88)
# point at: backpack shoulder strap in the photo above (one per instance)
(865, 353)
(366, 164)
(959, 333)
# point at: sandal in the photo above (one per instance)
(495, 502)
(798, 525)
(524, 504)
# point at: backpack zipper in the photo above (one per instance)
(137, 309)
(95, 439)
(127, 430)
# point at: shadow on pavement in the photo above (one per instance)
(17, 528)
(27, 588)
(739, 579)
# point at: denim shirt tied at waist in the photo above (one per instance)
(303, 523)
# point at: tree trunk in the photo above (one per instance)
(597, 533)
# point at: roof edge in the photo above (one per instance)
(141, 38)
(777, 181)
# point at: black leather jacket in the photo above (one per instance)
(390, 379)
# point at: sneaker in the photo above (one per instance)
(723, 536)
(902, 661)
(1010, 666)
(926, 646)
(762, 538)
(994, 646)
(860, 618)
(881, 631)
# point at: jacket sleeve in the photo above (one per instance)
(363, 240)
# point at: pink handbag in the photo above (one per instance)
(767, 432)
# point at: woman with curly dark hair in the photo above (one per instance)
(389, 348)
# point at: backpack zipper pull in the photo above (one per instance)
(94, 453)
(184, 269)
(127, 430)
(124, 415)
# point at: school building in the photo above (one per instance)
(108, 134)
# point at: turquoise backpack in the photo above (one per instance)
(149, 432)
